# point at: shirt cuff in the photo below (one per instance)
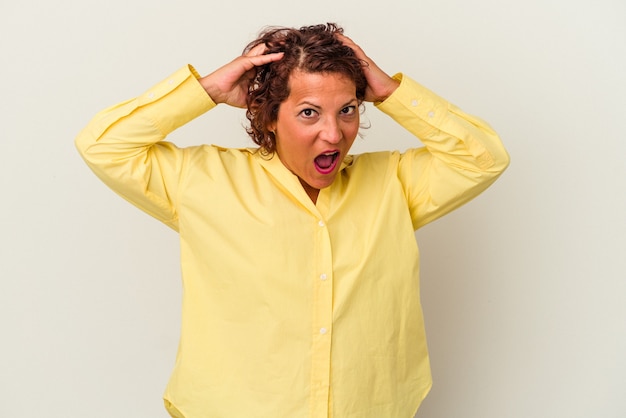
(413, 102)
(176, 100)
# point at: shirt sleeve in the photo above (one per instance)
(462, 155)
(124, 144)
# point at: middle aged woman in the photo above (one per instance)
(299, 261)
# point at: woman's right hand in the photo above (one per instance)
(229, 84)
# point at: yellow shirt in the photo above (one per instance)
(294, 309)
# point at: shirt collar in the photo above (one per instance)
(288, 180)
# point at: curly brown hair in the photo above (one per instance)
(312, 49)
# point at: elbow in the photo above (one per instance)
(84, 141)
(498, 157)
(88, 146)
(502, 162)
(503, 157)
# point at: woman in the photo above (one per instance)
(299, 261)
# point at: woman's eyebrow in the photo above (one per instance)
(309, 103)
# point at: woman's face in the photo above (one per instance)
(316, 126)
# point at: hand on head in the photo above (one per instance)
(229, 83)
(379, 84)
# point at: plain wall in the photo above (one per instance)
(523, 288)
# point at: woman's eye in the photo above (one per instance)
(348, 110)
(308, 113)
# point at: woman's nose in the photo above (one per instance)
(331, 131)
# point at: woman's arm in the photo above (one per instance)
(461, 158)
(124, 144)
(462, 154)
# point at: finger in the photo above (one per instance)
(257, 50)
(258, 60)
(350, 43)
(358, 51)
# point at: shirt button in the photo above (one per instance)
(431, 114)
(170, 82)
(321, 223)
(414, 102)
(323, 331)
(323, 276)
(151, 95)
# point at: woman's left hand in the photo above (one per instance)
(379, 84)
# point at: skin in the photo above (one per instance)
(320, 116)
(317, 116)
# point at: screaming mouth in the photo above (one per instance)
(326, 162)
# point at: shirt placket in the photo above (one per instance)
(321, 327)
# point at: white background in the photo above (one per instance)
(523, 288)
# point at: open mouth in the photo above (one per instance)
(326, 162)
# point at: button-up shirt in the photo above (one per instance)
(293, 308)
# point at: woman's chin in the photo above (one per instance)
(318, 184)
